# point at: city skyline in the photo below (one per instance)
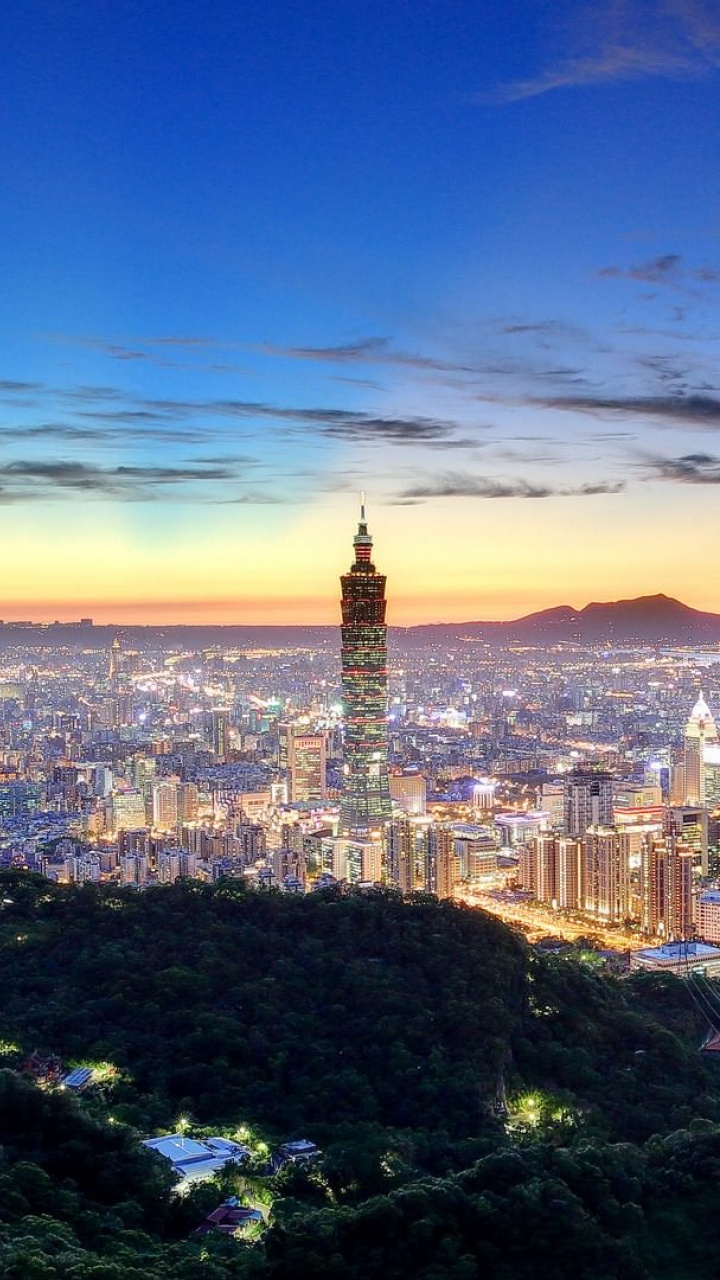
(466, 259)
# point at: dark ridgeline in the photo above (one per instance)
(650, 619)
(365, 796)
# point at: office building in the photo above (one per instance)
(303, 756)
(588, 800)
(365, 801)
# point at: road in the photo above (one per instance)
(537, 921)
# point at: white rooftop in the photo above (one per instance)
(194, 1159)
(675, 952)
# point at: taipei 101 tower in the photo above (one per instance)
(365, 803)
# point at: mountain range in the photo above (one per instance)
(657, 619)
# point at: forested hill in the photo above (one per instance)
(465, 1091)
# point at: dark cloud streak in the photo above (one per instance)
(453, 485)
(690, 468)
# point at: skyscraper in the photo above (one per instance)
(700, 732)
(365, 803)
(588, 800)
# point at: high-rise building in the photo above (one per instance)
(303, 758)
(700, 731)
(442, 867)
(588, 800)
(553, 868)
(689, 825)
(667, 889)
(187, 802)
(607, 874)
(220, 731)
(165, 805)
(406, 852)
(365, 802)
(128, 809)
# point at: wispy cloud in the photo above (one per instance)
(689, 411)
(665, 269)
(456, 485)
(331, 423)
(373, 350)
(690, 468)
(36, 480)
(660, 270)
(12, 387)
(626, 40)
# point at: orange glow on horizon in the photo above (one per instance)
(305, 611)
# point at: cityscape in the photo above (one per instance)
(573, 790)
(359, 640)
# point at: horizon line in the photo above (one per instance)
(86, 617)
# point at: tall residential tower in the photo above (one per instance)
(365, 803)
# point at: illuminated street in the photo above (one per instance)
(537, 921)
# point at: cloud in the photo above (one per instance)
(452, 485)
(179, 341)
(39, 480)
(628, 40)
(333, 423)
(691, 468)
(50, 431)
(91, 394)
(658, 270)
(375, 350)
(666, 269)
(689, 411)
(135, 428)
(548, 328)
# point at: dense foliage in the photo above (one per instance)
(482, 1109)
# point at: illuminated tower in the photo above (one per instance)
(366, 795)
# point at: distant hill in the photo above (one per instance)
(655, 619)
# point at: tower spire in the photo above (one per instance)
(362, 541)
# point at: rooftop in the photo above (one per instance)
(192, 1159)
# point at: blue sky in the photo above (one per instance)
(464, 256)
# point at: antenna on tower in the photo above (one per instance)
(362, 506)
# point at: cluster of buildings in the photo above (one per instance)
(570, 776)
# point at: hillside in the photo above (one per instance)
(468, 1093)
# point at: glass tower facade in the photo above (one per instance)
(365, 803)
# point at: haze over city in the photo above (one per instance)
(464, 257)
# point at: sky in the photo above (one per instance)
(462, 255)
